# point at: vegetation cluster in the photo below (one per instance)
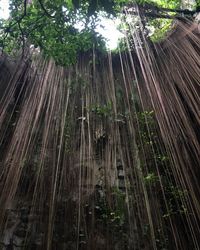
(62, 29)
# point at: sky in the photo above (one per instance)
(4, 11)
(109, 31)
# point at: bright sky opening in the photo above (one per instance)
(4, 9)
(107, 27)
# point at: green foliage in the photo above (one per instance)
(114, 217)
(161, 158)
(147, 123)
(171, 4)
(53, 26)
(146, 117)
(103, 110)
(64, 28)
(150, 179)
(175, 201)
(197, 3)
(160, 28)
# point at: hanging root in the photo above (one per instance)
(103, 155)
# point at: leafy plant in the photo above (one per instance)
(113, 216)
(62, 29)
(102, 110)
(150, 178)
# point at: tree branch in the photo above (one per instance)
(45, 11)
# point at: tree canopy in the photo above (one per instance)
(64, 28)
